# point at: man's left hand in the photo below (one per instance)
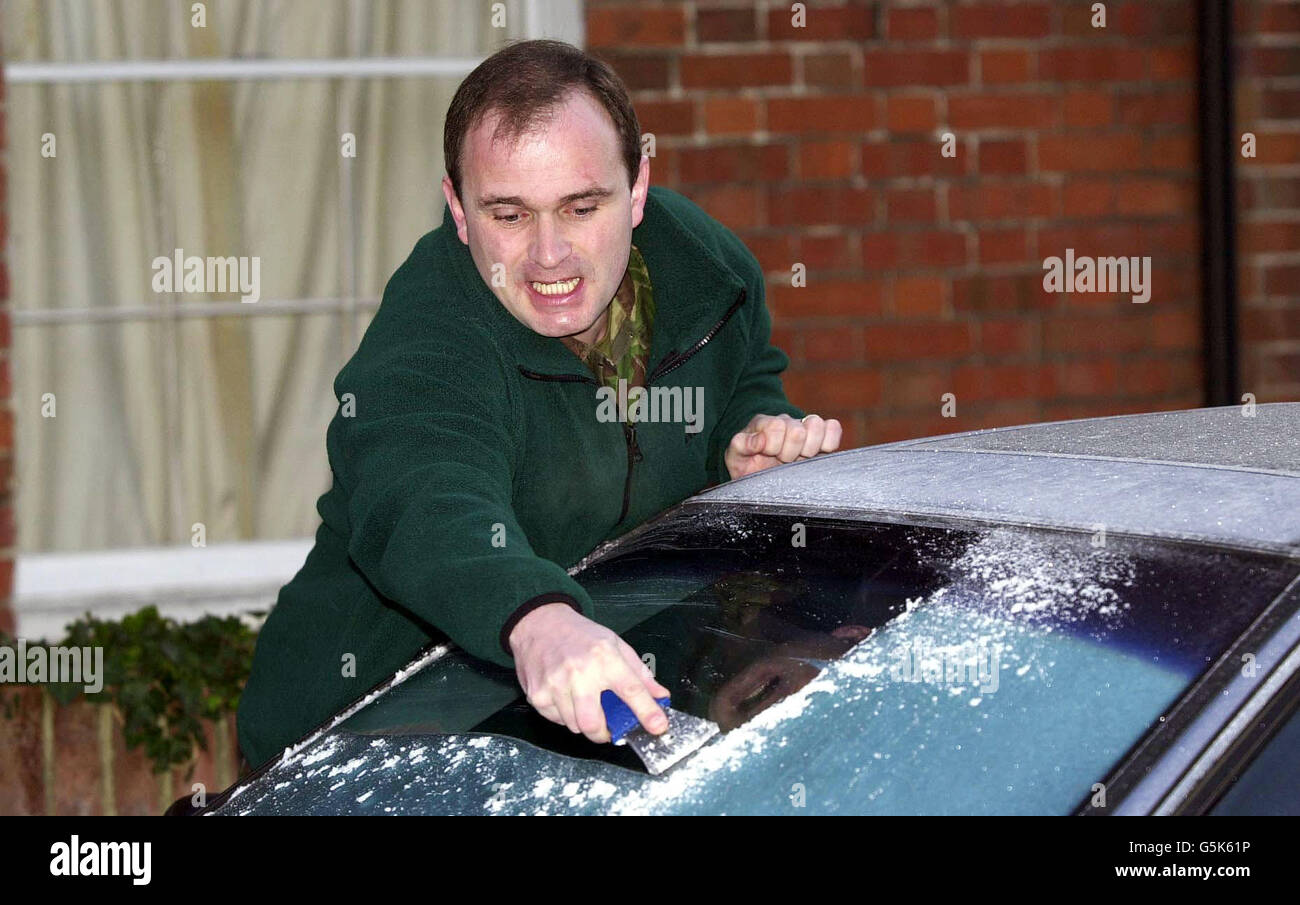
(772, 439)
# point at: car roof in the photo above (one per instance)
(1228, 476)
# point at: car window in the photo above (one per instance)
(1270, 784)
(856, 667)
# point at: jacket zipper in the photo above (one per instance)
(671, 363)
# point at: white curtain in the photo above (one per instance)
(164, 422)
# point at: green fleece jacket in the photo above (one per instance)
(471, 468)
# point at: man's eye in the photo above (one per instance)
(505, 219)
(584, 211)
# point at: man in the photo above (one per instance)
(474, 455)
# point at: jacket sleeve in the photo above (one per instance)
(427, 460)
(758, 391)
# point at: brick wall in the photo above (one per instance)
(820, 145)
(1268, 197)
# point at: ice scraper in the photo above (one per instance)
(686, 734)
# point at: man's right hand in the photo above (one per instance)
(564, 661)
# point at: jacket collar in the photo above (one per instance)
(692, 290)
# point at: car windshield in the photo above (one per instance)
(857, 667)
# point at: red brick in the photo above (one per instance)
(1107, 238)
(1276, 18)
(912, 23)
(1280, 280)
(639, 71)
(832, 344)
(910, 205)
(726, 24)
(1003, 246)
(913, 388)
(1085, 108)
(999, 20)
(736, 70)
(903, 158)
(837, 251)
(909, 341)
(666, 117)
(1176, 329)
(1161, 108)
(727, 115)
(1273, 148)
(1269, 61)
(775, 251)
(910, 113)
(1084, 378)
(1003, 158)
(1171, 152)
(1279, 368)
(1159, 376)
(1258, 192)
(822, 23)
(1156, 197)
(998, 67)
(737, 206)
(1007, 337)
(884, 68)
(1260, 236)
(1280, 102)
(999, 200)
(826, 159)
(809, 205)
(1098, 334)
(983, 382)
(1172, 63)
(829, 393)
(636, 24)
(919, 296)
(734, 163)
(828, 298)
(1099, 152)
(986, 292)
(1084, 197)
(827, 114)
(1092, 64)
(1270, 324)
(828, 70)
(1001, 111)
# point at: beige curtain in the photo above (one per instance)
(163, 422)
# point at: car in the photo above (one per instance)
(1093, 617)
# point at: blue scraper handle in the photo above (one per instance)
(619, 717)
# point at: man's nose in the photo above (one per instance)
(549, 247)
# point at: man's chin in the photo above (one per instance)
(558, 327)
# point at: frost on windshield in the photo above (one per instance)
(995, 692)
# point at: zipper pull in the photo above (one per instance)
(633, 447)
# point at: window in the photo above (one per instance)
(885, 668)
(301, 139)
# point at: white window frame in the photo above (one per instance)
(52, 590)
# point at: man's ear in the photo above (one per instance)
(640, 189)
(457, 212)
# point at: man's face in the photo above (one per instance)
(524, 225)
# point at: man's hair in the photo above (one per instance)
(524, 83)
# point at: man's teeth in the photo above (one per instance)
(562, 288)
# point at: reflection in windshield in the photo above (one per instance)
(878, 668)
